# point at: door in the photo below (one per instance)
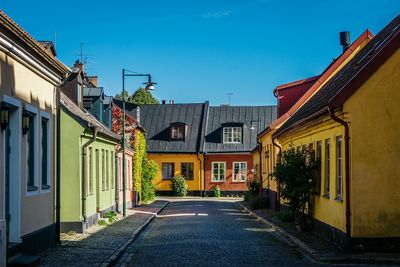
(7, 155)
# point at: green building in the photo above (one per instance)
(87, 167)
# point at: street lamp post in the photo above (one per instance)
(149, 86)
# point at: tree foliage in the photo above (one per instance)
(179, 186)
(140, 96)
(296, 176)
(138, 158)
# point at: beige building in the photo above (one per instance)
(29, 79)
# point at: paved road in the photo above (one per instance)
(208, 233)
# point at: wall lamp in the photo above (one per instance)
(252, 126)
(4, 115)
(25, 121)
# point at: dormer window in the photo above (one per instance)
(178, 131)
(232, 135)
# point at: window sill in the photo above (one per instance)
(216, 182)
(32, 188)
(238, 182)
(45, 187)
(326, 195)
(339, 199)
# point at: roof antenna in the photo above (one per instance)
(55, 40)
(229, 98)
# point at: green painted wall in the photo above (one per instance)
(73, 137)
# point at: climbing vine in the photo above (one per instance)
(138, 158)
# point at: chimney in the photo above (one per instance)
(344, 40)
(94, 80)
(163, 102)
(171, 101)
(78, 65)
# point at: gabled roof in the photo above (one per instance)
(257, 116)
(349, 78)
(157, 119)
(31, 42)
(84, 117)
(93, 91)
(296, 83)
(108, 100)
(367, 35)
(128, 106)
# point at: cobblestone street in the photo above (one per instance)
(208, 233)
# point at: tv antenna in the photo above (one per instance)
(229, 98)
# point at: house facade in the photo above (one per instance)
(229, 141)
(30, 78)
(349, 124)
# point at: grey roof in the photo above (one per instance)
(92, 91)
(107, 100)
(84, 117)
(156, 119)
(257, 116)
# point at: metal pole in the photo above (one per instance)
(123, 146)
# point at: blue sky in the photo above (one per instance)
(202, 50)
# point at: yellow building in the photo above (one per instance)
(351, 123)
(298, 92)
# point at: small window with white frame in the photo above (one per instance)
(31, 149)
(232, 135)
(239, 171)
(45, 151)
(218, 171)
(339, 167)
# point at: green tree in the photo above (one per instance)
(149, 170)
(140, 96)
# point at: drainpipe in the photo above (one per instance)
(58, 174)
(278, 193)
(116, 182)
(346, 169)
(204, 175)
(201, 188)
(260, 164)
(84, 176)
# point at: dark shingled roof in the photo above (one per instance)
(258, 116)
(156, 119)
(84, 117)
(318, 103)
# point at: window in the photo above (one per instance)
(187, 170)
(327, 167)
(112, 170)
(339, 167)
(168, 170)
(30, 147)
(45, 153)
(103, 170)
(218, 171)
(90, 171)
(239, 171)
(107, 171)
(318, 156)
(128, 180)
(178, 132)
(232, 135)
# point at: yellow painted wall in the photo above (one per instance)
(374, 114)
(327, 208)
(177, 159)
(269, 162)
(256, 164)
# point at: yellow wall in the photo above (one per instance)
(327, 208)
(177, 159)
(374, 114)
(268, 163)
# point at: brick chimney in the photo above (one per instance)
(79, 65)
(94, 80)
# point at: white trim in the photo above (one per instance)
(15, 200)
(212, 171)
(231, 128)
(34, 110)
(240, 168)
(45, 115)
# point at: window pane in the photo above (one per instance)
(44, 152)
(327, 166)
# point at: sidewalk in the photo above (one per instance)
(102, 244)
(314, 247)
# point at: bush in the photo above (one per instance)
(111, 216)
(149, 171)
(179, 186)
(258, 202)
(254, 186)
(217, 191)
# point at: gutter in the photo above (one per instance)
(84, 176)
(278, 193)
(204, 175)
(346, 169)
(201, 172)
(116, 169)
(58, 173)
(260, 164)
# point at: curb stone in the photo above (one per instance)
(119, 251)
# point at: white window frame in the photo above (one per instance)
(339, 164)
(230, 140)
(235, 177)
(46, 115)
(35, 111)
(219, 173)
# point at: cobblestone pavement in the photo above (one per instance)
(92, 250)
(208, 233)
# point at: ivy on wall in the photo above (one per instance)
(138, 158)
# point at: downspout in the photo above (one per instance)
(260, 164)
(201, 188)
(116, 169)
(204, 174)
(84, 176)
(58, 174)
(278, 193)
(346, 169)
